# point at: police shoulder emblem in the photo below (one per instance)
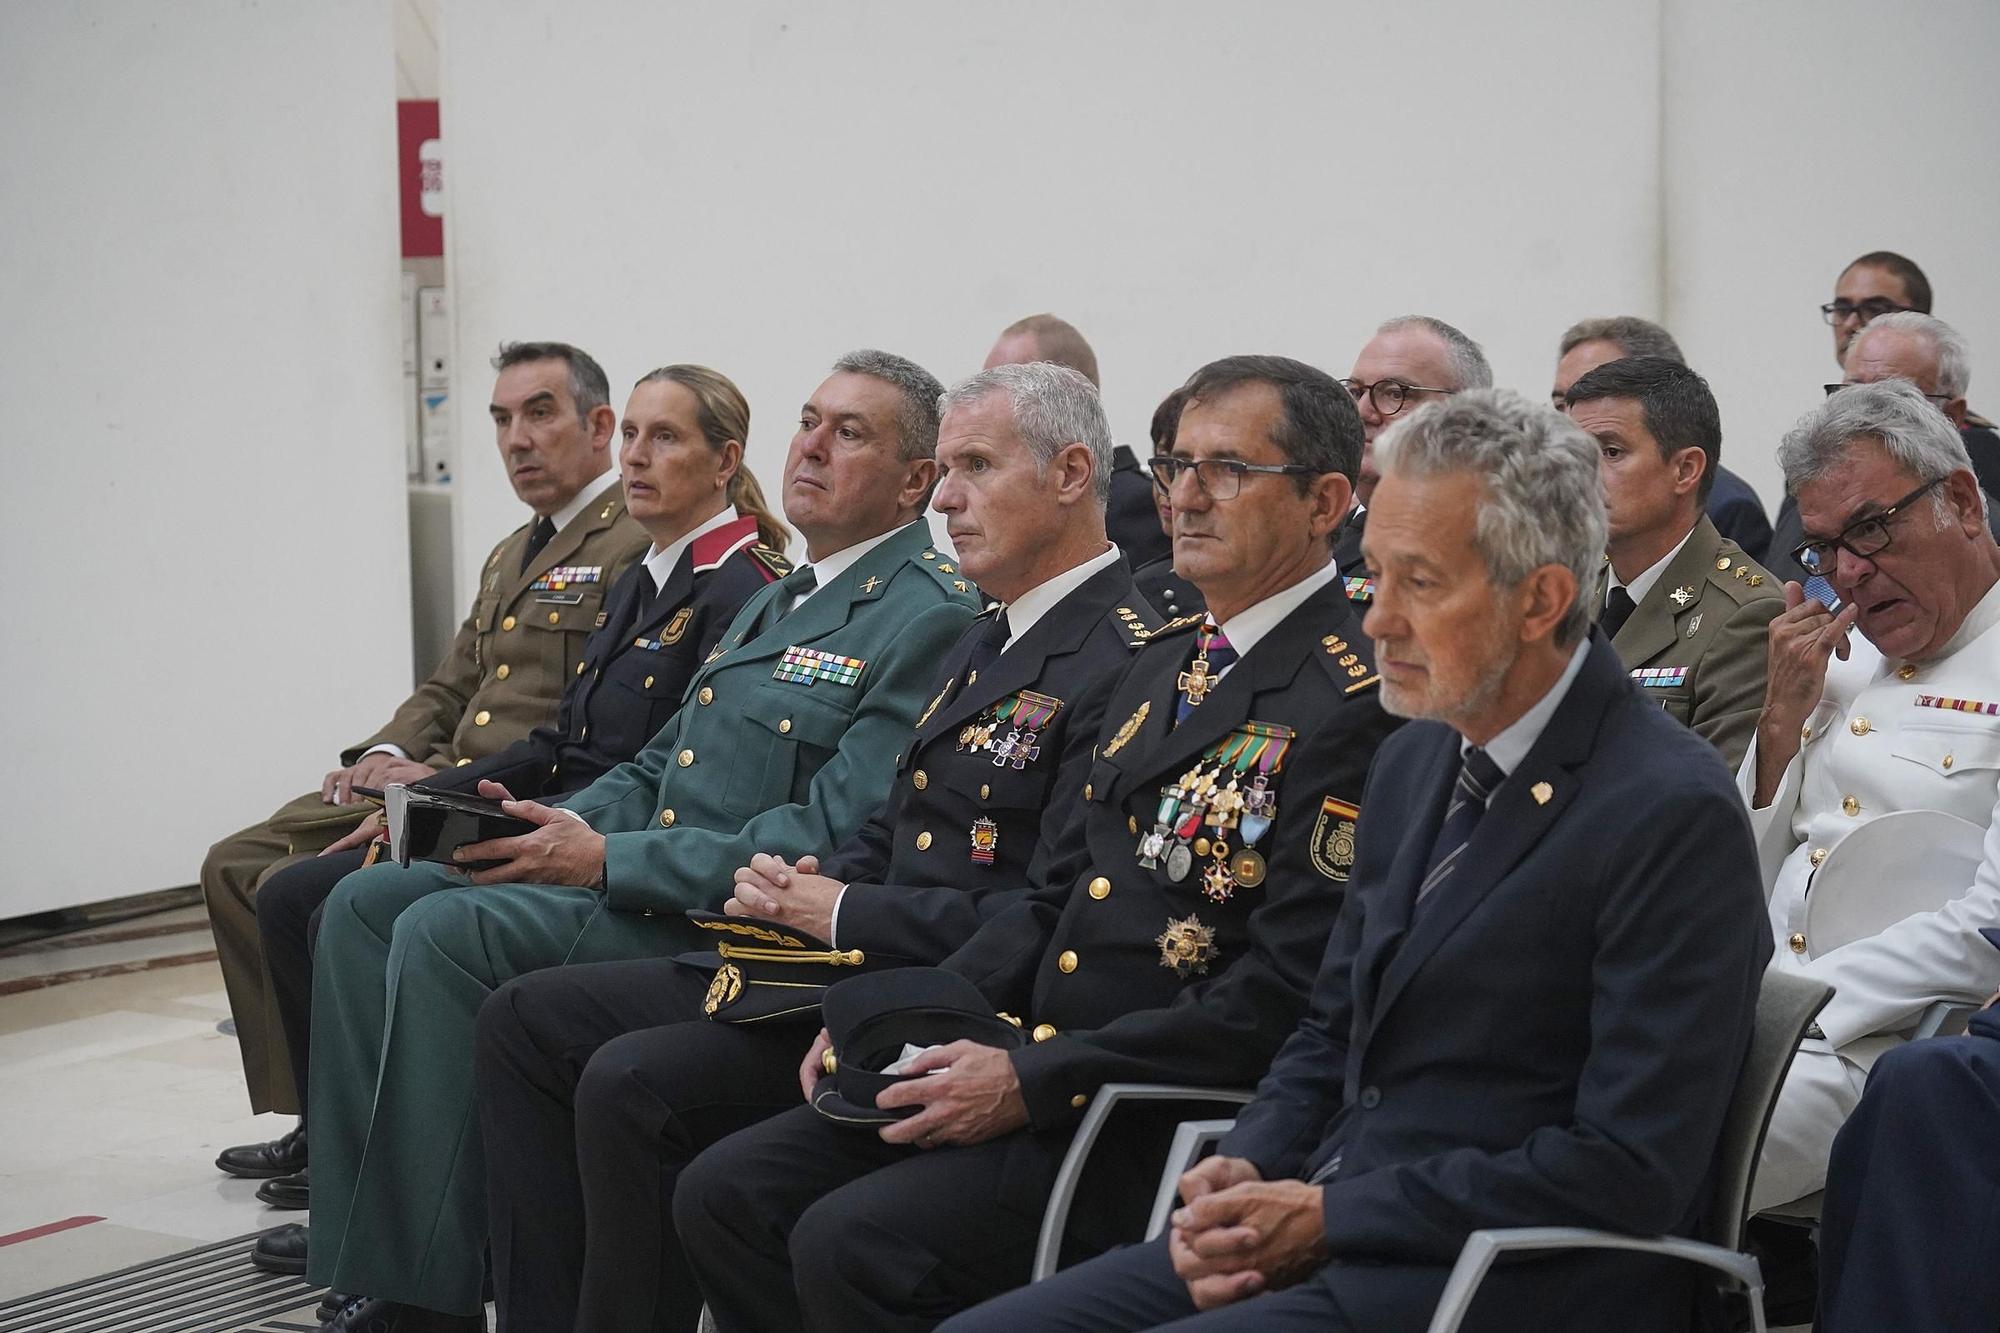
(1333, 838)
(677, 626)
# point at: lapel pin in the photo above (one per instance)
(1542, 792)
(1682, 595)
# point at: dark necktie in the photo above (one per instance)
(545, 528)
(1618, 608)
(992, 638)
(1477, 778)
(1212, 653)
(792, 587)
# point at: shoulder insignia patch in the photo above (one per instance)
(1333, 838)
(771, 563)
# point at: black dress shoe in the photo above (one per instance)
(288, 1191)
(261, 1161)
(365, 1314)
(331, 1304)
(281, 1249)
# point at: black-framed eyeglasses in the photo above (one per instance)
(1389, 396)
(1219, 478)
(1939, 398)
(1873, 308)
(1866, 536)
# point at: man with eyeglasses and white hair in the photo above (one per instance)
(1411, 360)
(1876, 762)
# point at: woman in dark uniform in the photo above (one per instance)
(715, 542)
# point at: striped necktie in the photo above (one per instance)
(1478, 776)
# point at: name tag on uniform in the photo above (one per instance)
(1660, 677)
(809, 666)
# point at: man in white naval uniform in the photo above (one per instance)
(1906, 716)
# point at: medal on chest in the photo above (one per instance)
(1228, 792)
(1019, 721)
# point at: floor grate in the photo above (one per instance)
(208, 1290)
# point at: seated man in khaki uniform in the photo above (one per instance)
(1686, 609)
(539, 596)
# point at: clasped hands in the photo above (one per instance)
(969, 1094)
(562, 849)
(1237, 1234)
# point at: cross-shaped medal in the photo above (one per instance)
(1018, 748)
(1195, 682)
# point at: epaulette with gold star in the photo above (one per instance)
(945, 570)
(1142, 636)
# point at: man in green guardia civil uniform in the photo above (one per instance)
(785, 742)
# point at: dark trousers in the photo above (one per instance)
(876, 1237)
(597, 1084)
(287, 915)
(1912, 1208)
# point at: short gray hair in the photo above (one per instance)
(917, 414)
(1544, 503)
(1468, 362)
(1894, 413)
(1054, 407)
(1628, 333)
(1954, 358)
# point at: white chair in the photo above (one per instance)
(1786, 1007)
(1191, 1139)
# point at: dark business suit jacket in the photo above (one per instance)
(914, 893)
(1551, 1040)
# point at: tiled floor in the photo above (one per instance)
(116, 1093)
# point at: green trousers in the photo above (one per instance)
(404, 960)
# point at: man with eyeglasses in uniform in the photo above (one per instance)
(1411, 360)
(1903, 716)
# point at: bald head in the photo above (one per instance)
(1043, 338)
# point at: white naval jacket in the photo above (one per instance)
(1873, 746)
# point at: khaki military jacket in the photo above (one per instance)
(1696, 645)
(507, 668)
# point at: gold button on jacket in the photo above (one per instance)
(1067, 960)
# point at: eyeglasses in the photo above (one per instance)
(1387, 395)
(1872, 308)
(1219, 478)
(1939, 398)
(1866, 536)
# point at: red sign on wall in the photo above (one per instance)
(420, 168)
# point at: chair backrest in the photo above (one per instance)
(1786, 1006)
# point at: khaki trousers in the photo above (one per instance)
(233, 871)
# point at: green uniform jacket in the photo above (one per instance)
(1697, 643)
(759, 758)
(506, 670)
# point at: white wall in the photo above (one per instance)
(762, 186)
(202, 513)
(1800, 134)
